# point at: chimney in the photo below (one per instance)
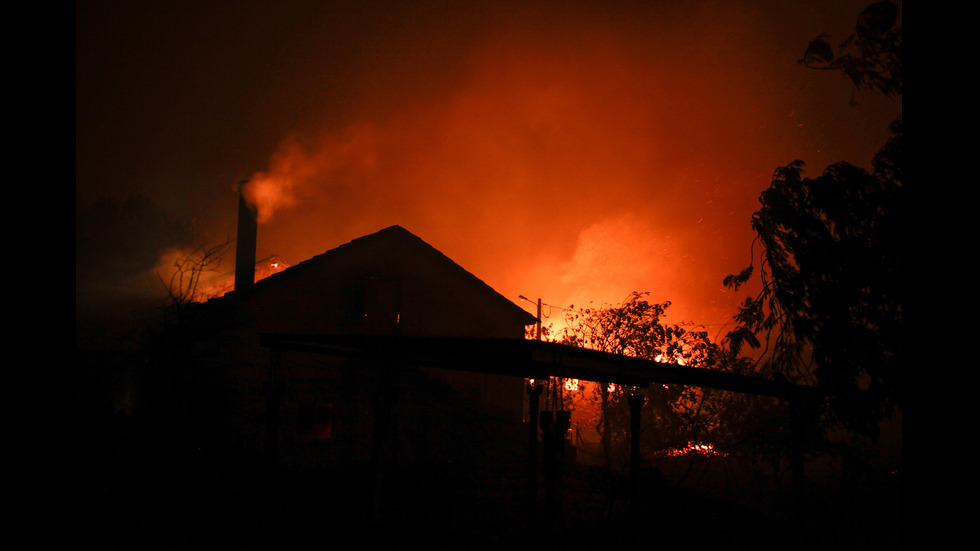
(245, 247)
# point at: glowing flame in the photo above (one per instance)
(212, 284)
(694, 448)
(678, 360)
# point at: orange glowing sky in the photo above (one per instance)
(571, 151)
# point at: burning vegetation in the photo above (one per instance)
(677, 420)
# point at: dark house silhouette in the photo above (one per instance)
(320, 411)
(385, 385)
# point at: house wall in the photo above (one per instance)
(330, 406)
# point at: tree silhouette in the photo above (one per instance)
(830, 306)
(871, 57)
(184, 285)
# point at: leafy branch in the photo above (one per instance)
(871, 57)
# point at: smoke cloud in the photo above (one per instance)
(572, 152)
(571, 164)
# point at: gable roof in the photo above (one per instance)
(396, 240)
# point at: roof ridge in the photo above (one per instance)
(393, 230)
(396, 235)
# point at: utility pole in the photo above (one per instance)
(538, 325)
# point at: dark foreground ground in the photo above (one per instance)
(137, 492)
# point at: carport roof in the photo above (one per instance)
(528, 359)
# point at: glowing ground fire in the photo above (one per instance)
(585, 413)
(692, 448)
